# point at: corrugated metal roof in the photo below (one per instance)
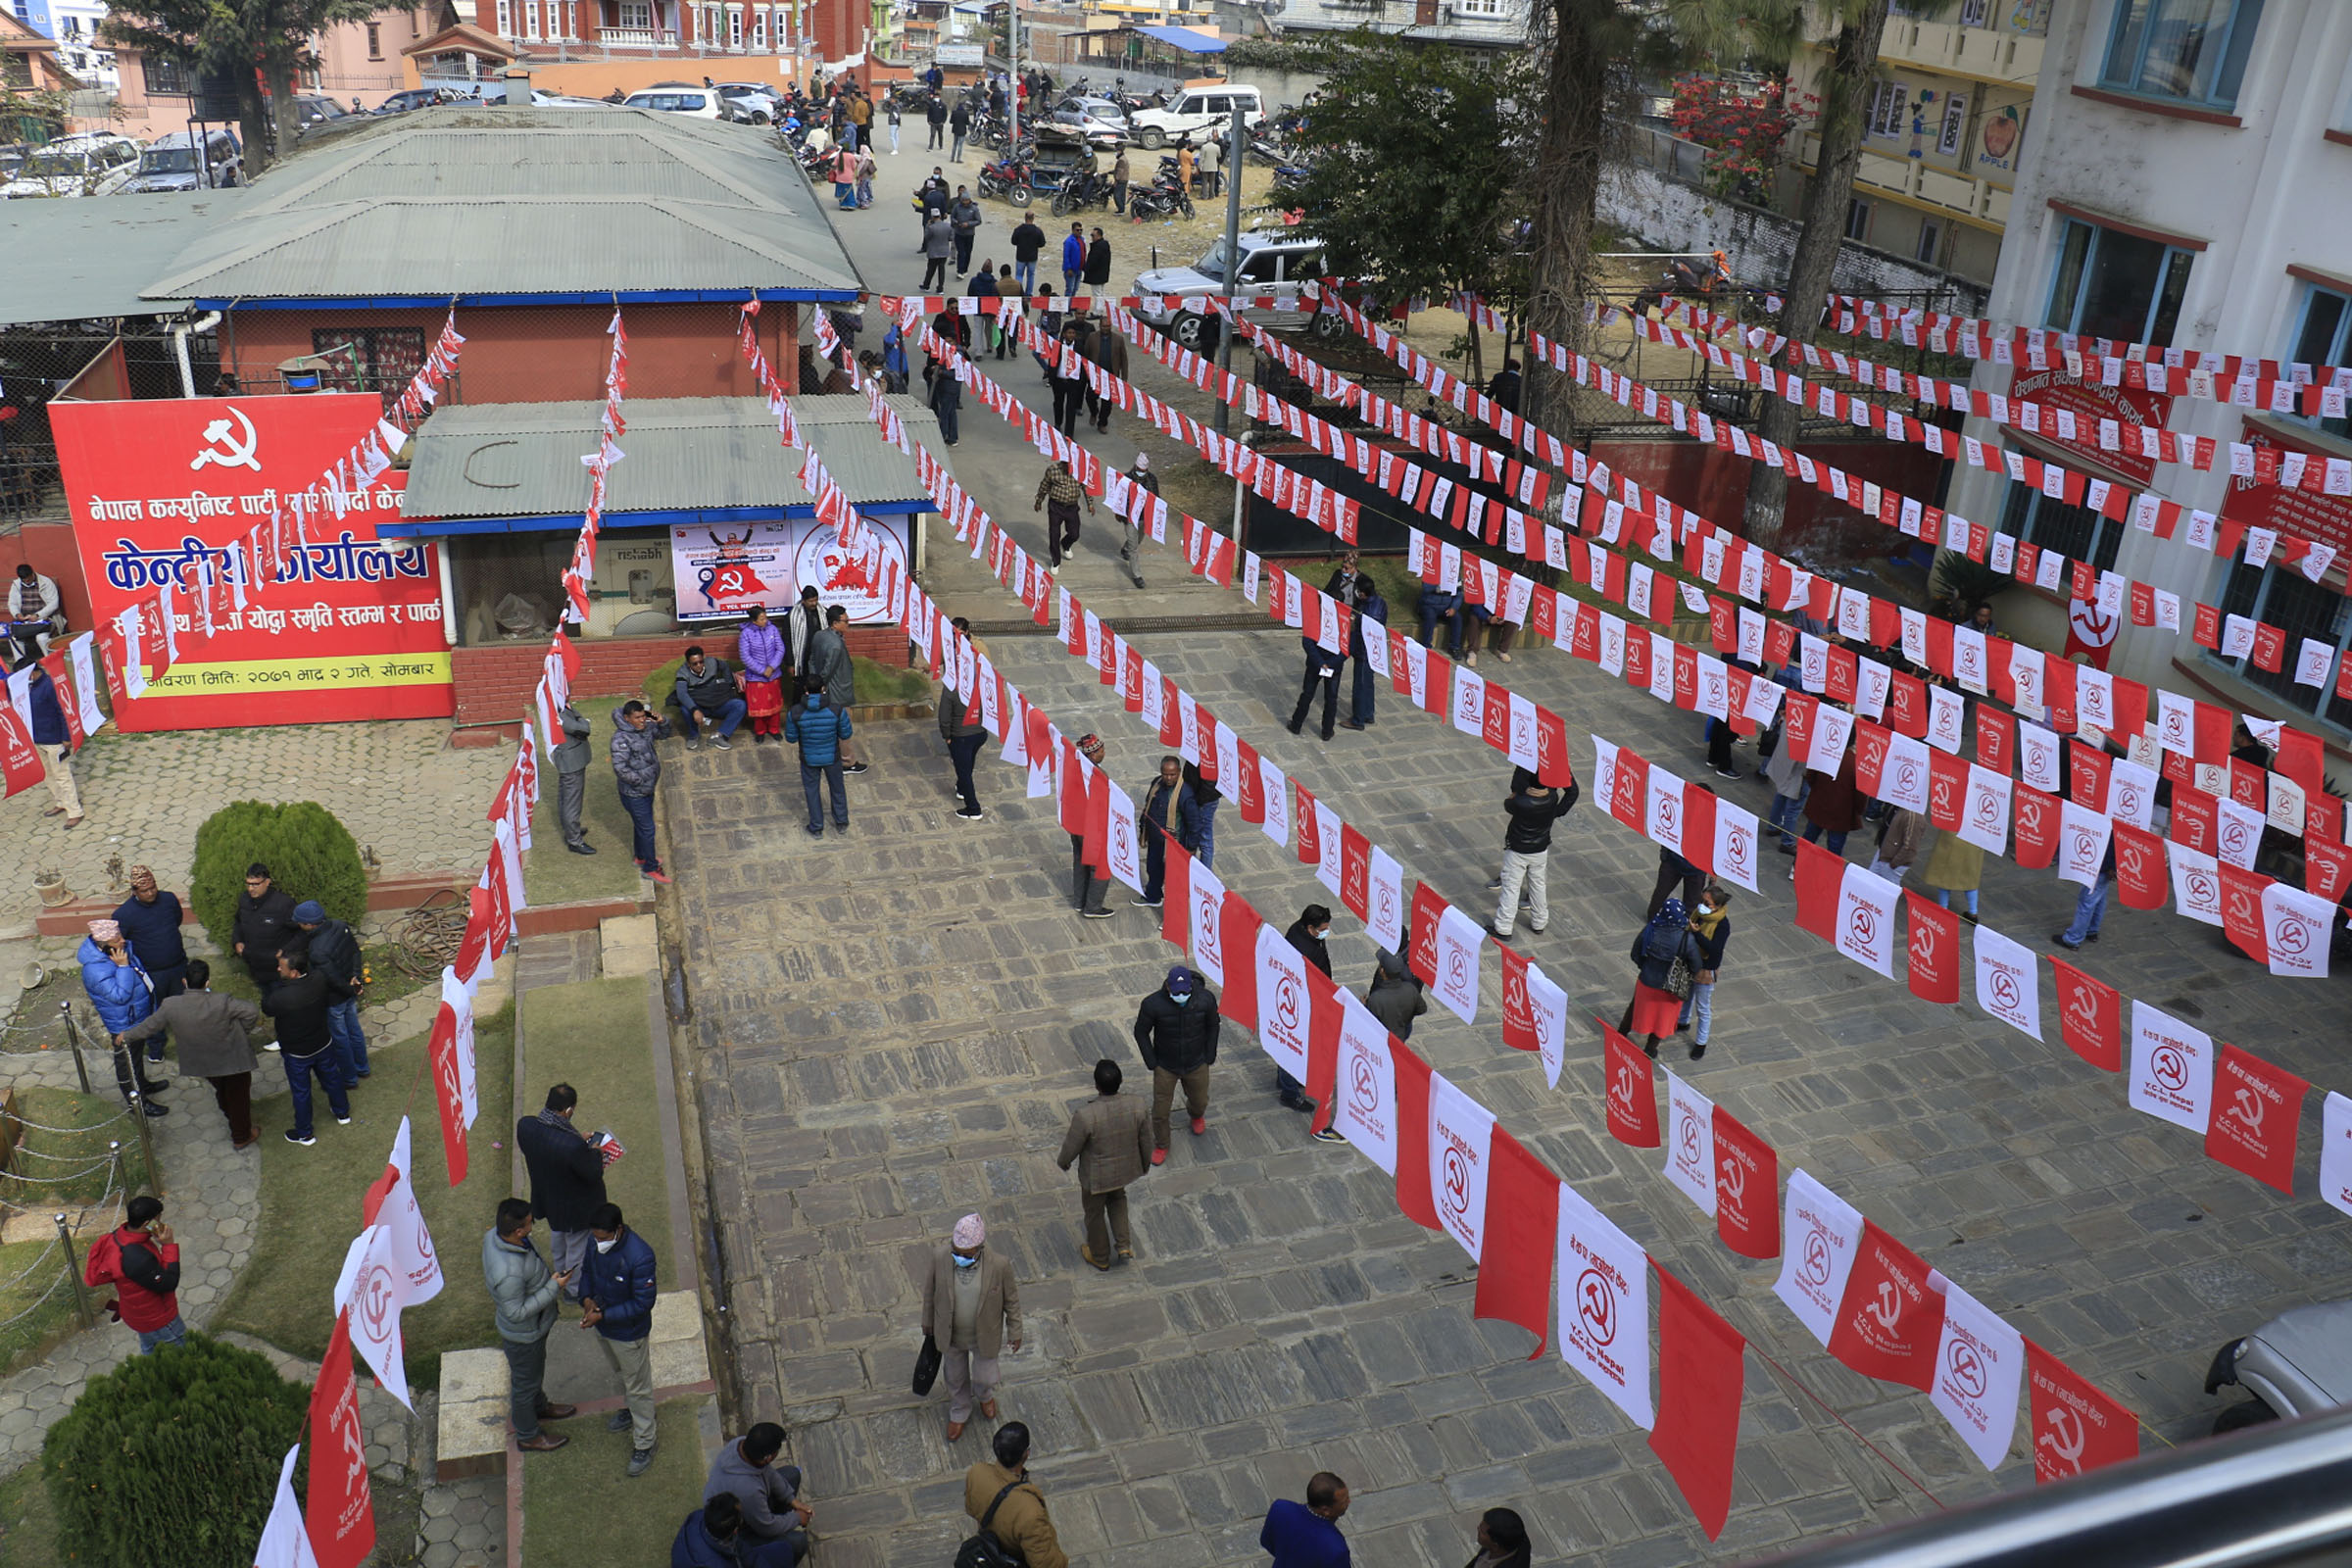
(81, 258)
(471, 201)
(1185, 38)
(522, 460)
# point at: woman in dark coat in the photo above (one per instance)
(1834, 807)
(1653, 1012)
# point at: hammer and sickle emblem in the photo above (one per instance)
(223, 449)
(2064, 1438)
(1889, 1306)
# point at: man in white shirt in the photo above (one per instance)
(34, 597)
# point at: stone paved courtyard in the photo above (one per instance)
(890, 1027)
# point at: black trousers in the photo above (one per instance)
(1306, 696)
(1069, 396)
(935, 270)
(1061, 530)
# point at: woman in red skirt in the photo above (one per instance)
(1656, 1009)
(760, 647)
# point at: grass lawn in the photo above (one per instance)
(28, 1525)
(309, 1208)
(572, 1508)
(36, 1305)
(551, 873)
(592, 1035)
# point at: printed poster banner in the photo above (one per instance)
(350, 630)
(722, 572)
(1821, 1232)
(1604, 1306)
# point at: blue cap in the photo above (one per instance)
(308, 912)
(1180, 980)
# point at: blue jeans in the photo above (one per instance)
(810, 776)
(1155, 862)
(1069, 282)
(175, 1332)
(1431, 619)
(330, 1073)
(1836, 843)
(963, 751)
(1025, 274)
(1700, 1004)
(1968, 899)
(351, 1041)
(641, 820)
(1782, 816)
(724, 721)
(2090, 908)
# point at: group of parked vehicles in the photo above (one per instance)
(99, 162)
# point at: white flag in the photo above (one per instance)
(2008, 981)
(2335, 1151)
(1462, 1135)
(369, 1287)
(1207, 907)
(1459, 940)
(285, 1543)
(2295, 930)
(1690, 1143)
(1284, 1007)
(2082, 835)
(1604, 1306)
(1366, 1086)
(1385, 888)
(1979, 1367)
(1819, 1233)
(1866, 909)
(418, 1276)
(2172, 1070)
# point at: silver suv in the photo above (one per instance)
(1270, 262)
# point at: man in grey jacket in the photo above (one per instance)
(829, 671)
(637, 769)
(524, 1293)
(775, 1522)
(213, 1045)
(1109, 1141)
(571, 779)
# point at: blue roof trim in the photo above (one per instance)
(679, 517)
(1200, 43)
(414, 302)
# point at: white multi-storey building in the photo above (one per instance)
(2190, 185)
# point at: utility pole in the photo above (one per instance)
(1012, 72)
(1231, 163)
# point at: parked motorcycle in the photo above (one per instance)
(1686, 277)
(1009, 178)
(1163, 197)
(1087, 188)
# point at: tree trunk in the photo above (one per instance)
(1567, 190)
(253, 125)
(288, 117)
(1853, 65)
(1477, 361)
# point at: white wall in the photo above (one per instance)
(2262, 196)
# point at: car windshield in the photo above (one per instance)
(57, 166)
(1212, 264)
(167, 161)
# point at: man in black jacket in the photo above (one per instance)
(1307, 934)
(568, 1179)
(307, 1041)
(1028, 242)
(1322, 669)
(264, 926)
(1176, 1029)
(335, 954)
(1527, 853)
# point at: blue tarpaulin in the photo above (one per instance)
(1185, 38)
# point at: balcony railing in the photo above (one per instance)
(1923, 181)
(1986, 51)
(637, 37)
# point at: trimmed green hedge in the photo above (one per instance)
(309, 852)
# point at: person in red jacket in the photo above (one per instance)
(140, 1257)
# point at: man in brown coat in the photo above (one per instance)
(1111, 1142)
(1008, 1505)
(971, 1309)
(214, 1046)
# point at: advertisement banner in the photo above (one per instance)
(720, 572)
(348, 630)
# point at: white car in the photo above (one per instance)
(752, 102)
(1197, 113)
(182, 160)
(90, 164)
(679, 98)
(1271, 264)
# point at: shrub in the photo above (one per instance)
(173, 1458)
(309, 853)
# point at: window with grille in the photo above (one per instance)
(2076, 532)
(2283, 597)
(368, 358)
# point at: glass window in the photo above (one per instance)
(1857, 221)
(2117, 285)
(2074, 532)
(2194, 50)
(375, 41)
(165, 78)
(2320, 340)
(506, 19)
(2284, 598)
(1885, 116)
(1930, 240)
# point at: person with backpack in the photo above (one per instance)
(1015, 1530)
(1710, 934)
(1654, 1009)
(140, 1259)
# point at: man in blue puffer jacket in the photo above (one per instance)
(121, 992)
(820, 728)
(616, 1300)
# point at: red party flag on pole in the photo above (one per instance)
(1700, 1379)
(339, 1513)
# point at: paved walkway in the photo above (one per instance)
(891, 1026)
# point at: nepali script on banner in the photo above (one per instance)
(721, 571)
(348, 631)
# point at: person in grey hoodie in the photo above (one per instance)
(769, 1492)
(571, 779)
(1394, 997)
(523, 1292)
(637, 769)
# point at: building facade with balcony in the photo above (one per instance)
(1946, 129)
(2191, 188)
(1467, 24)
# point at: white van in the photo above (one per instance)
(90, 164)
(680, 98)
(1195, 113)
(1273, 264)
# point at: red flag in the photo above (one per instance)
(1421, 941)
(2241, 911)
(1748, 1175)
(1322, 1041)
(1306, 828)
(1553, 766)
(1629, 791)
(1935, 950)
(1889, 1321)
(1631, 1092)
(1098, 821)
(2256, 1112)
(1412, 1136)
(1520, 1239)
(1820, 875)
(1996, 739)
(1250, 787)
(441, 1049)
(1171, 715)
(1907, 707)
(1355, 873)
(2140, 877)
(1237, 938)
(1947, 790)
(20, 763)
(1176, 895)
(2074, 1427)
(1518, 1016)
(2326, 867)
(2037, 828)
(2089, 1017)
(339, 1515)
(1700, 1374)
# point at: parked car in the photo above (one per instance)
(2298, 1363)
(678, 98)
(89, 164)
(185, 161)
(1197, 112)
(1275, 262)
(312, 109)
(400, 103)
(753, 104)
(11, 158)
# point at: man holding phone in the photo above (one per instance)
(524, 1292)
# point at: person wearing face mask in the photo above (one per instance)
(1710, 934)
(1307, 934)
(972, 1312)
(616, 1301)
(1176, 1032)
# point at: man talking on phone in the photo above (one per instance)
(524, 1292)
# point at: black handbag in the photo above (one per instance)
(926, 1366)
(984, 1551)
